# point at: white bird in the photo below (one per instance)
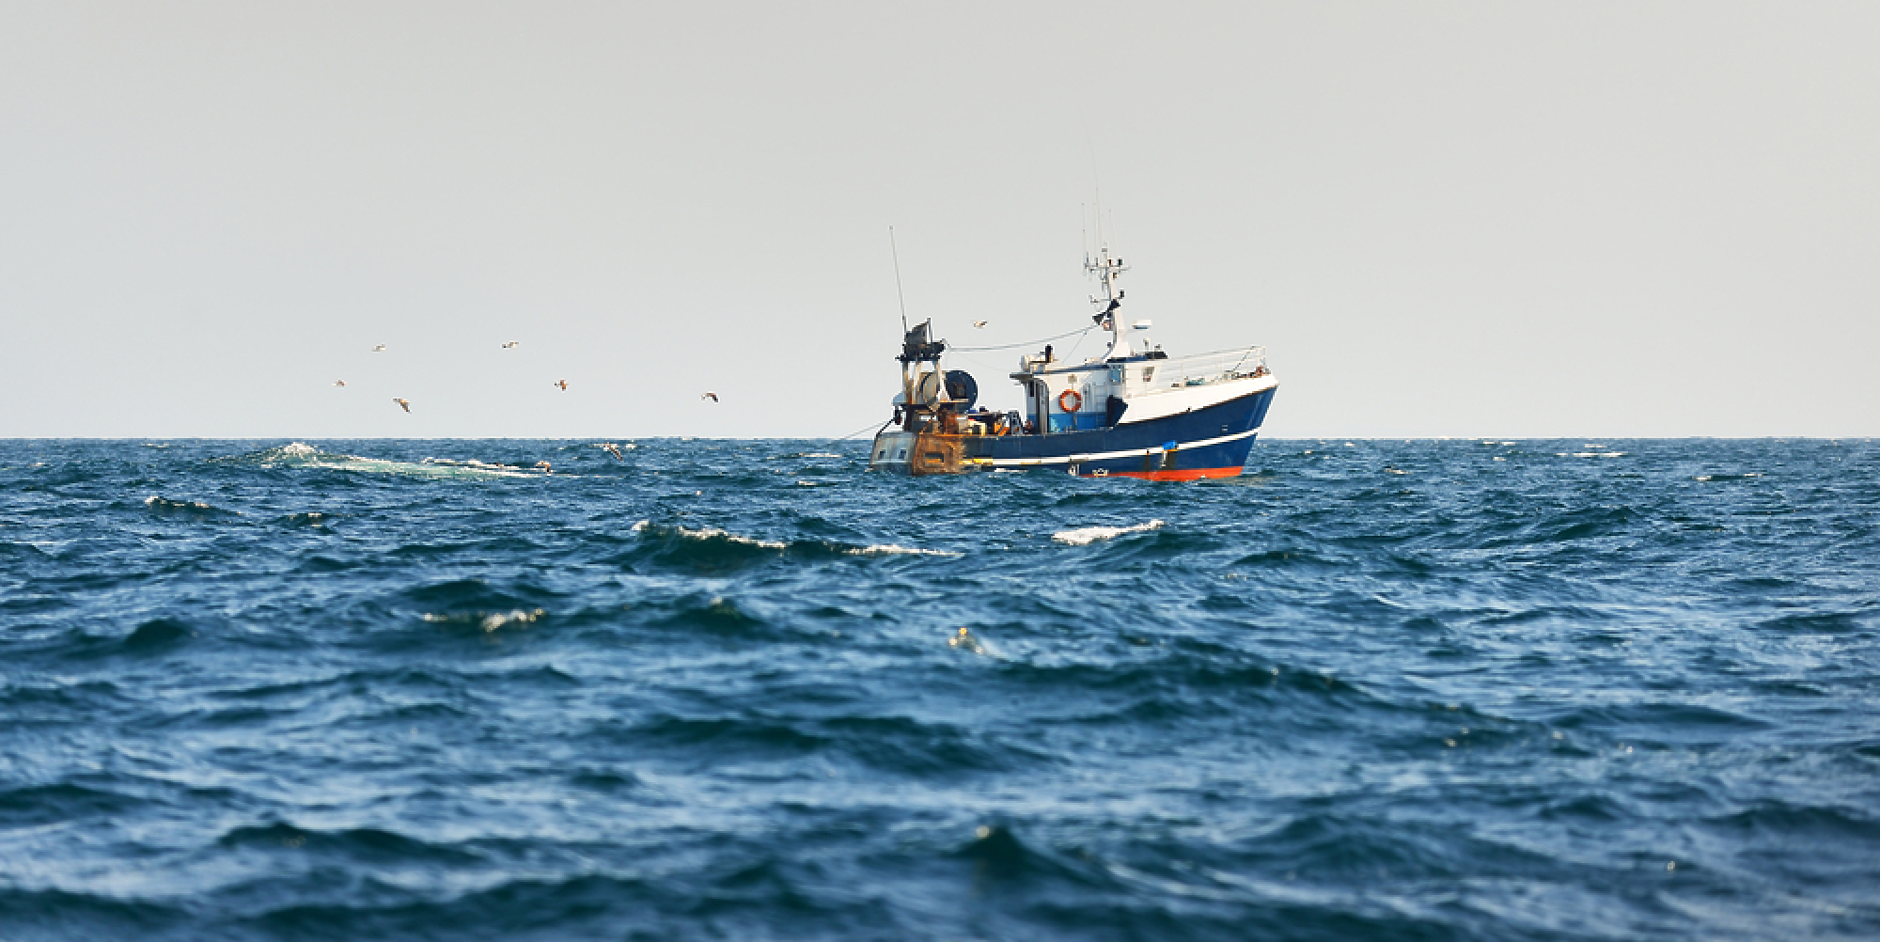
(339, 382)
(710, 395)
(379, 349)
(404, 404)
(562, 383)
(979, 323)
(510, 344)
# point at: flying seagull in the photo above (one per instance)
(710, 395)
(339, 382)
(562, 383)
(404, 404)
(614, 450)
(511, 343)
(979, 323)
(379, 349)
(544, 467)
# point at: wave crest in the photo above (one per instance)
(1087, 535)
(188, 508)
(300, 455)
(486, 621)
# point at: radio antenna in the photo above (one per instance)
(897, 278)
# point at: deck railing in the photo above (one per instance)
(1199, 370)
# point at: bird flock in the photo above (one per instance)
(561, 384)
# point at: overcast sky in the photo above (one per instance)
(1509, 219)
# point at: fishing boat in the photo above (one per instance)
(1133, 411)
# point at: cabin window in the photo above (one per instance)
(902, 454)
(934, 456)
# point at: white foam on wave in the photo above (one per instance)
(889, 549)
(157, 500)
(162, 504)
(428, 467)
(714, 533)
(487, 621)
(497, 469)
(303, 455)
(1590, 454)
(1086, 535)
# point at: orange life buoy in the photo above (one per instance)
(1070, 400)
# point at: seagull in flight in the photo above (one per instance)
(404, 404)
(979, 323)
(561, 383)
(544, 467)
(614, 450)
(379, 349)
(512, 343)
(710, 395)
(339, 382)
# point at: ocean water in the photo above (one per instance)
(1584, 689)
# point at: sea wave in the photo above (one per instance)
(708, 534)
(717, 546)
(187, 508)
(1086, 535)
(486, 621)
(299, 455)
(684, 697)
(890, 549)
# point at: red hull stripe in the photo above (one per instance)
(1184, 474)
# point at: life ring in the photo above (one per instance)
(1070, 400)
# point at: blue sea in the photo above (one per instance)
(1407, 690)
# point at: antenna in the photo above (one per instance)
(1096, 181)
(897, 278)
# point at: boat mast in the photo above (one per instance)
(918, 347)
(1108, 270)
(898, 293)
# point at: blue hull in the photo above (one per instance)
(1208, 442)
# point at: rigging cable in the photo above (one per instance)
(1027, 343)
(855, 433)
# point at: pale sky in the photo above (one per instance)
(1512, 219)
